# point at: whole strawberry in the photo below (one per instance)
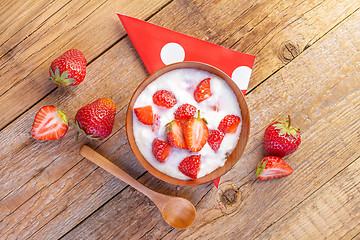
(96, 119)
(69, 68)
(281, 139)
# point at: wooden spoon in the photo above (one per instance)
(177, 212)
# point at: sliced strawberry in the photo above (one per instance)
(164, 98)
(215, 139)
(156, 125)
(202, 91)
(175, 135)
(190, 166)
(196, 133)
(145, 115)
(161, 149)
(229, 124)
(49, 124)
(272, 167)
(185, 112)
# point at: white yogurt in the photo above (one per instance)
(182, 83)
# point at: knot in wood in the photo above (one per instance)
(229, 197)
(288, 51)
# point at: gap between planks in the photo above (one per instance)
(91, 61)
(311, 194)
(231, 46)
(306, 47)
(249, 91)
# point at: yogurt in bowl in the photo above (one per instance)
(182, 79)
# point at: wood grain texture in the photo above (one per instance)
(320, 106)
(332, 212)
(46, 191)
(29, 191)
(35, 33)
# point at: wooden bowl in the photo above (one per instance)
(233, 157)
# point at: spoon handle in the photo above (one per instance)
(110, 167)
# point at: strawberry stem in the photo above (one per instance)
(77, 137)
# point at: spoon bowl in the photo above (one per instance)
(177, 212)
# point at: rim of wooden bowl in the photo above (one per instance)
(233, 157)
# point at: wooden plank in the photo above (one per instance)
(332, 212)
(37, 32)
(320, 106)
(32, 194)
(274, 31)
(58, 172)
(245, 25)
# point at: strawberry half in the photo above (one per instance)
(272, 167)
(229, 124)
(202, 91)
(145, 115)
(196, 133)
(164, 98)
(175, 135)
(161, 149)
(185, 112)
(69, 68)
(49, 124)
(190, 166)
(281, 139)
(215, 139)
(96, 120)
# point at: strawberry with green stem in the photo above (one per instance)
(272, 167)
(69, 69)
(49, 124)
(96, 120)
(281, 139)
(196, 133)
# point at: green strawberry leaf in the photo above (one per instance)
(261, 167)
(82, 131)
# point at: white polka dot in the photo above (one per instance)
(241, 76)
(172, 53)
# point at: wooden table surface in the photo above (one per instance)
(307, 65)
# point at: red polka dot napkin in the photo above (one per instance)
(158, 47)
